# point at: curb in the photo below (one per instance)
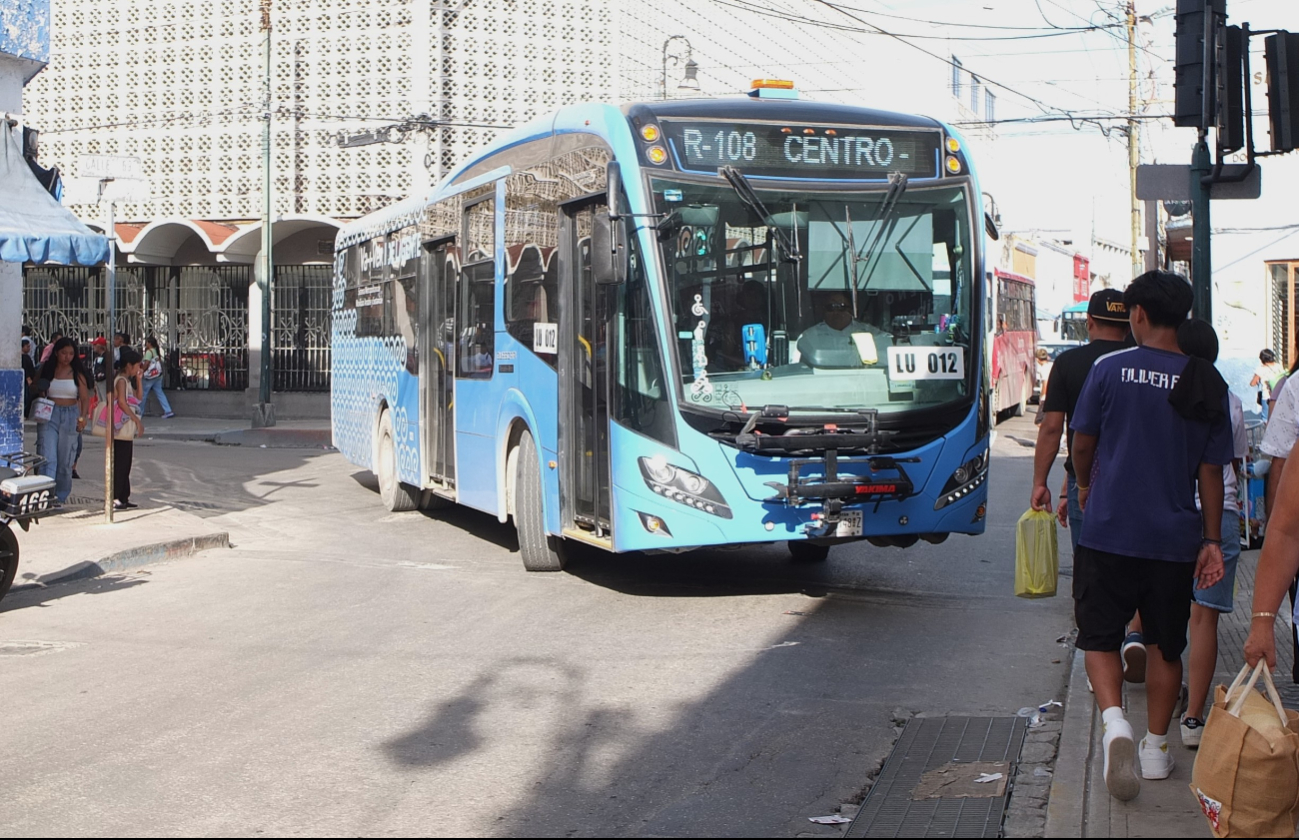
(1066, 810)
(132, 558)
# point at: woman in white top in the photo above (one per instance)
(65, 382)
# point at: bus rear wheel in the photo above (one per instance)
(396, 495)
(806, 552)
(539, 551)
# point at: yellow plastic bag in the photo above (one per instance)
(1037, 558)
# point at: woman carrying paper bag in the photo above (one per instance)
(1277, 567)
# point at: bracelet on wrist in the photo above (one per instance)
(1263, 614)
(1207, 541)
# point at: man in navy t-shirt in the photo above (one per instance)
(1150, 422)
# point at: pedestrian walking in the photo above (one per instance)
(124, 399)
(99, 365)
(1197, 338)
(29, 377)
(152, 376)
(63, 380)
(1149, 422)
(49, 348)
(1107, 331)
(1278, 440)
(1267, 373)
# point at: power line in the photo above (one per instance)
(965, 25)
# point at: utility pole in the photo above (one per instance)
(1134, 139)
(265, 413)
(1201, 257)
(110, 369)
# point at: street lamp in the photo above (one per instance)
(689, 82)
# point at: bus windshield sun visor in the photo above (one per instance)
(743, 189)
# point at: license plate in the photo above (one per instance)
(849, 524)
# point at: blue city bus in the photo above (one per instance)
(677, 324)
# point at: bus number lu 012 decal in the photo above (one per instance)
(912, 363)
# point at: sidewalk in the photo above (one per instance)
(77, 542)
(229, 432)
(1080, 806)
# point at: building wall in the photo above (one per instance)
(181, 85)
(24, 47)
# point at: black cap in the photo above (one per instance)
(1108, 305)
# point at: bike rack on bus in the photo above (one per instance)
(832, 490)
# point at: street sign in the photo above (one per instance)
(110, 166)
(121, 190)
(1172, 182)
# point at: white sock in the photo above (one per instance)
(1112, 714)
(1153, 741)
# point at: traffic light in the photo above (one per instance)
(1230, 73)
(1194, 86)
(1282, 54)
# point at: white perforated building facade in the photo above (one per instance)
(180, 85)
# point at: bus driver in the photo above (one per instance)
(830, 343)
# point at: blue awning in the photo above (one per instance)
(33, 226)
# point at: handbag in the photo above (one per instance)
(42, 409)
(154, 370)
(124, 428)
(1246, 774)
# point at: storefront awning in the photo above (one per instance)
(33, 226)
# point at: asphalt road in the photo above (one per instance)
(346, 671)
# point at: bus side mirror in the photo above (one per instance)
(608, 251)
(991, 228)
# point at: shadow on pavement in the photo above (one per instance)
(28, 595)
(481, 525)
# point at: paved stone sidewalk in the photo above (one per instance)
(1080, 806)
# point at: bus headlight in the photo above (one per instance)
(967, 478)
(683, 486)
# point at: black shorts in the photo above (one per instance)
(1109, 588)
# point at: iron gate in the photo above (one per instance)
(199, 315)
(300, 324)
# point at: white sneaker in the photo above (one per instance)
(1156, 762)
(1120, 748)
(1192, 729)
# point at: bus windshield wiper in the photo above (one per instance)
(884, 219)
(749, 197)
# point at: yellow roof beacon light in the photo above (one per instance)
(650, 132)
(656, 154)
(953, 165)
(953, 145)
(773, 89)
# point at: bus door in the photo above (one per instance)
(437, 374)
(584, 355)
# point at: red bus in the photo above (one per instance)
(1014, 342)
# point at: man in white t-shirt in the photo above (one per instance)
(830, 343)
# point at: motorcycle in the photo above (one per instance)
(24, 498)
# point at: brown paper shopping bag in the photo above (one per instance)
(1246, 774)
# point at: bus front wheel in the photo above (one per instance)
(396, 495)
(539, 551)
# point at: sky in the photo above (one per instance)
(1053, 61)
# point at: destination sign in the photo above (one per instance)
(801, 151)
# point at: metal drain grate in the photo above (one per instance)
(929, 744)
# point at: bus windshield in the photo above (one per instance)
(836, 300)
